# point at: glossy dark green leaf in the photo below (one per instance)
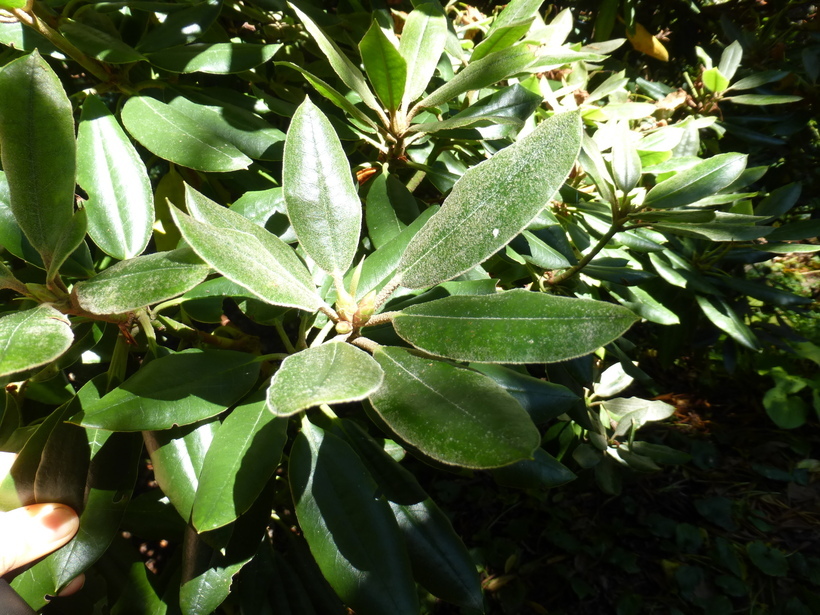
(453, 415)
(440, 561)
(17, 488)
(243, 456)
(210, 560)
(234, 125)
(99, 44)
(699, 181)
(32, 338)
(335, 500)
(323, 206)
(492, 203)
(643, 304)
(177, 389)
(181, 27)
(111, 479)
(247, 254)
(716, 231)
(542, 472)
(38, 151)
(422, 42)
(384, 65)
(172, 135)
(543, 400)
(383, 223)
(757, 79)
(71, 238)
(141, 281)
(769, 560)
(780, 200)
(726, 319)
(516, 326)
(331, 373)
(214, 58)
(344, 68)
(177, 455)
(120, 204)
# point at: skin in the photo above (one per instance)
(30, 532)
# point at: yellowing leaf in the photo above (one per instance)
(644, 42)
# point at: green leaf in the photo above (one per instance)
(99, 44)
(780, 200)
(172, 135)
(714, 80)
(233, 124)
(213, 58)
(626, 164)
(242, 457)
(332, 373)
(384, 66)
(177, 455)
(332, 95)
(543, 472)
(492, 203)
(178, 389)
(730, 60)
(704, 179)
(758, 79)
(38, 151)
(716, 231)
(786, 411)
(141, 281)
(12, 4)
(181, 27)
(352, 534)
(769, 560)
(516, 326)
(323, 206)
(111, 479)
(32, 338)
(491, 69)
(120, 204)
(762, 99)
(501, 38)
(344, 68)
(71, 238)
(643, 304)
(383, 222)
(453, 415)
(726, 319)
(247, 254)
(542, 400)
(422, 42)
(441, 563)
(515, 11)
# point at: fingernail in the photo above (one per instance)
(61, 520)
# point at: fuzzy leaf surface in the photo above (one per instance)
(492, 203)
(704, 179)
(32, 338)
(335, 372)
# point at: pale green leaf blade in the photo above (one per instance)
(384, 66)
(321, 198)
(213, 58)
(491, 69)
(38, 150)
(332, 373)
(172, 135)
(519, 10)
(32, 338)
(120, 203)
(626, 164)
(422, 43)
(492, 203)
(516, 326)
(141, 281)
(334, 497)
(699, 181)
(453, 415)
(730, 59)
(714, 80)
(344, 68)
(244, 259)
(501, 38)
(762, 99)
(178, 389)
(243, 456)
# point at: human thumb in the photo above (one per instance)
(30, 532)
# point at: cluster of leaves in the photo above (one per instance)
(215, 294)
